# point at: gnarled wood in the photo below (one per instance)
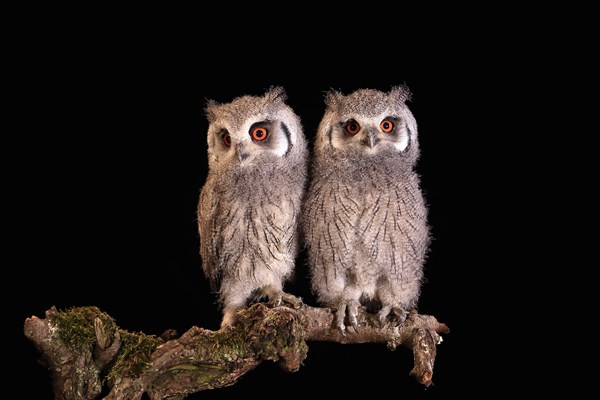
(202, 359)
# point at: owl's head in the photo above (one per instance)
(252, 129)
(368, 122)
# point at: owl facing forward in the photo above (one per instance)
(250, 202)
(364, 219)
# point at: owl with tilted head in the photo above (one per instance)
(249, 205)
(364, 222)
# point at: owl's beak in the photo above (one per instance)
(370, 139)
(239, 150)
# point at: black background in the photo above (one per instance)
(112, 154)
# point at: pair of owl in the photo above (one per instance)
(355, 204)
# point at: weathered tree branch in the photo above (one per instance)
(89, 355)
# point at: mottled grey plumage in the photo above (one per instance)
(249, 205)
(364, 219)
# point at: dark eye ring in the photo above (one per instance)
(352, 127)
(226, 139)
(386, 125)
(259, 134)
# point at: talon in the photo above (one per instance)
(400, 314)
(354, 328)
(340, 315)
(276, 301)
(397, 315)
(277, 297)
(292, 300)
(352, 319)
(382, 315)
(353, 313)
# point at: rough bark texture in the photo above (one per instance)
(90, 357)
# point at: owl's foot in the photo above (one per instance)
(287, 299)
(278, 297)
(397, 315)
(229, 317)
(347, 309)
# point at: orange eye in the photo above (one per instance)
(227, 139)
(259, 134)
(386, 125)
(352, 127)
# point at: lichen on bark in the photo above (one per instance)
(87, 352)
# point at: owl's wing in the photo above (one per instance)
(328, 223)
(207, 206)
(394, 227)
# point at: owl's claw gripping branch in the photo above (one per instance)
(291, 300)
(278, 298)
(85, 350)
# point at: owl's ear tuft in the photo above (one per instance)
(400, 94)
(211, 109)
(276, 93)
(332, 98)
